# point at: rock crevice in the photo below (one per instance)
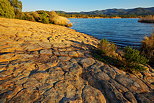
(42, 63)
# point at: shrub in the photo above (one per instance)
(131, 67)
(59, 20)
(147, 48)
(107, 48)
(45, 20)
(51, 17)
(28, 16)
(36, 16)
(133, 56)
(134, 61)
(19, 15)
(52, 14)
(127, 59)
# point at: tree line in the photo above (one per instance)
(96, 15)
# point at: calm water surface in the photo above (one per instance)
(123, 32)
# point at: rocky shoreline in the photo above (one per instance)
(45, 63)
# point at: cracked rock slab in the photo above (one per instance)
(45, 63)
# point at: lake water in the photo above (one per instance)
(123, 32)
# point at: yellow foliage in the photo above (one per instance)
(59, 20)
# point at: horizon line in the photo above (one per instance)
(87, 11)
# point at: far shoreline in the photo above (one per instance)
(101, 18)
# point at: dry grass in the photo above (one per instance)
(147, 19)
(59, 20)
(148, 47)
(107, 48)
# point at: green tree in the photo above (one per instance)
(17, 5)
(6, 10)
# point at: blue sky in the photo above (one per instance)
(83, 5)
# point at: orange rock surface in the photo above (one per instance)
(45, 63)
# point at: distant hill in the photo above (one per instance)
(135, 11)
